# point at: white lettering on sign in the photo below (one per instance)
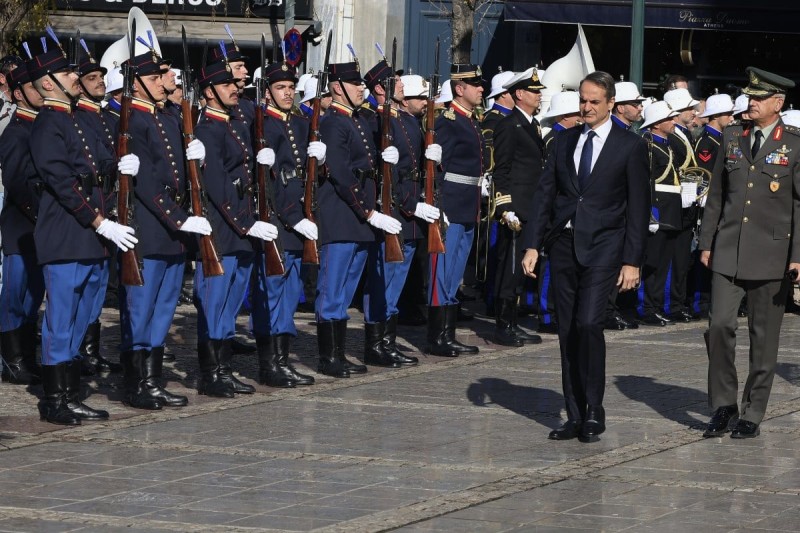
(722, 20)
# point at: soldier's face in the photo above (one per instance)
(764, 110)
(632, 111)
(725, 120)
(325, 103)
(153, 84)
(470, 94)
(663, 128)
(228, 93)
(33, 96)
(239, 71)
(168, 77)
(686, 117)
(283, 94)
(570, 121)
(416, 105)
(94, 84)
(531, 99)
(595, 105)
(355, 91)
(399, 91)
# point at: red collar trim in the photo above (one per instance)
(274, 112)
(58, 105)
(216, 114)
(455, 106)
(26, 114)
(141, 105)
(342, 109)
(88, 105)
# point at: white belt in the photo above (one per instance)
(460, 178)
(668, 188)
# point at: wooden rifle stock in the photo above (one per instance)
(310, 249)
(272, 252)
(130, 271)
(435, 242)
(394, 250)
(208, 253)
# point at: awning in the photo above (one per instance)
(103, 26)
(776, 16)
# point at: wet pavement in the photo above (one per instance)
(450, 445)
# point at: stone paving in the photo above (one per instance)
(451, 445)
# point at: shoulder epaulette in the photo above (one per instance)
(449, 114)
(791, 129)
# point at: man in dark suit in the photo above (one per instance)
(594, 197)
(750, 238)
(519, 158)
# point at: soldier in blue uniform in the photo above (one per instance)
(72, 232)
(459, 190)
(349, 221)
(89, 114)
(23, 288)
(276, 297)
(385, 280)
(245, 108)
(160, 214)
(228, 182)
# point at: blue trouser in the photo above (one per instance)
(385, 282)
(22, 293)
(340, 268)
(275, 298)
(447, 269)
(146, 312)
(220, 297)
(72, 292)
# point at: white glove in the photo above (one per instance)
(652, 228)
(511, 218)
(266, 156)
(385, 223)
(702, 201)
(264, 231)
(390, 155)
(434, 153)
(426, 212)
(128, 165)
(688, 194)
(306, 228)
(122, 236)
(195, 150)
(485, 183)
(197, 225)
(317, 149)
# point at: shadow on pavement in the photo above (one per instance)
(789, 371)
(540, 405)
(670, 401)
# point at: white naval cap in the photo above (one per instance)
(563, 103)
(656, 112)
(498, 80)
(680, 99)
(310, 89)
(114, 80)
(178, 77)
(741, 104)
(717, 104)
(414, 85)
(446, 94)
(627, 91)
(791, 117)
(301, 81)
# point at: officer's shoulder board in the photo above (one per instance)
(449, 114)
(791, 129)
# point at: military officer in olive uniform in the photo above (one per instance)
(750, 239)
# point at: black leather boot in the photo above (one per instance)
(374, 353)
(74, 404)
(226, 372)
(136, 394)
(53, 406)
(329, 363)
(210, 383)
(450, 318)
(268, 372)
(504, 333)
(437, 334)
(390, 344)
(91, 361)
(153, 369)
(19, 356)
(524, 336)
(280, 345)
(341, 344)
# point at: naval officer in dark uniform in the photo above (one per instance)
(72, 234)
(750, 239)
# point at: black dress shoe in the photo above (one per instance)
(745, 430)
(720, 421)
(655, 319)
(464, 315)
(569, 430)
(682, 316)
(594, 424)
(526, 337)
(629, 324)
(615, 323)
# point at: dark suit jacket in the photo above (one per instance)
(518, 162)
(610, 216)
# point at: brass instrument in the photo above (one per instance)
(699, 175)
(484, 231)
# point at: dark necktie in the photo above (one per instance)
(585, 164)
(759, 136)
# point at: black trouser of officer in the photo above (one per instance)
(660, 251)
(681, 261)
(509, 278)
